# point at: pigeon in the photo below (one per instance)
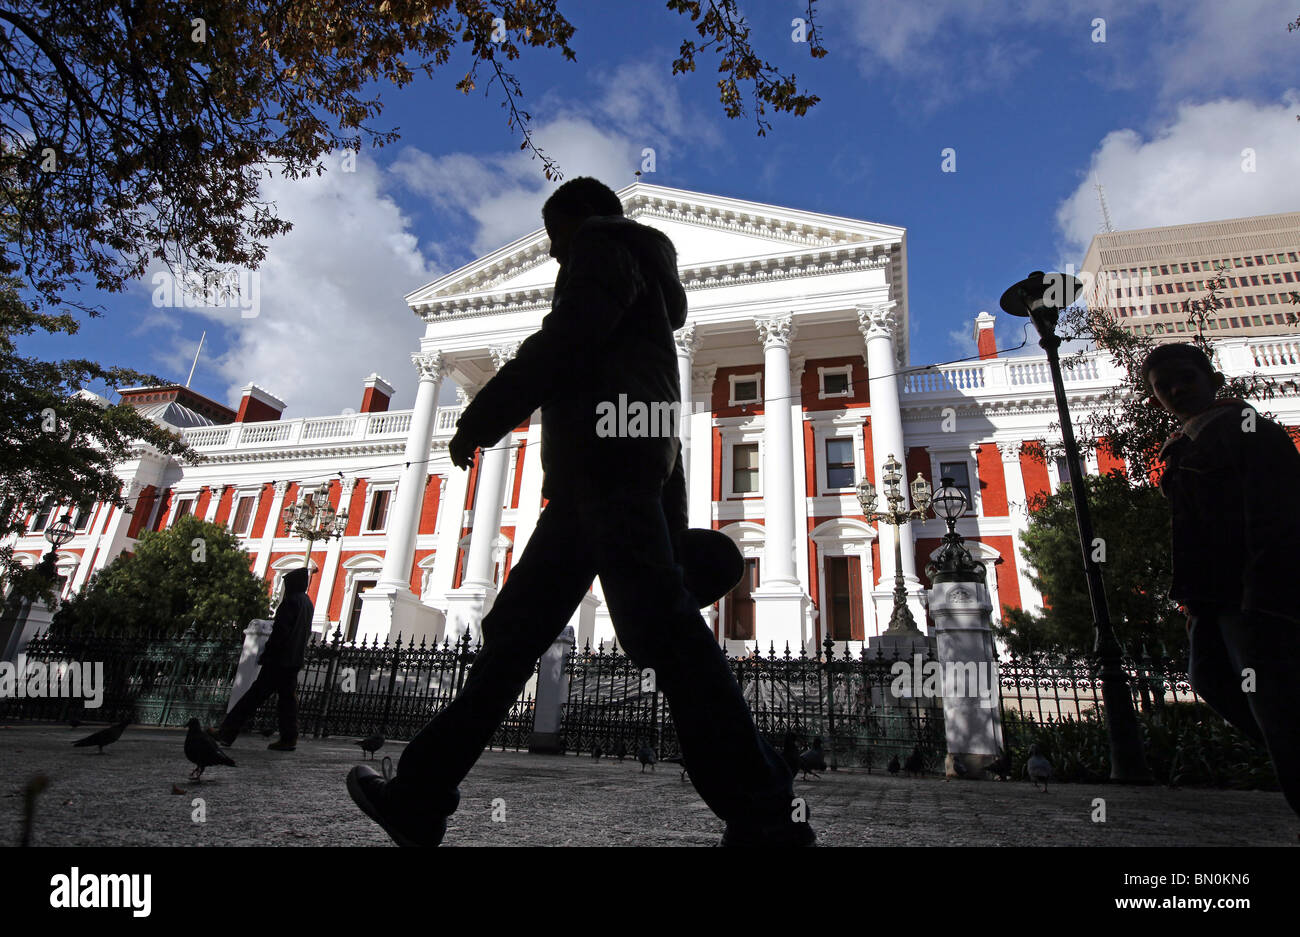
(915, 763)
(622, 751)
(813, 759)
(1038, 767)
(959, 768)
(646, 755)
(371, 744)
(680, 762)
(596, 753)
(894, 765)
(790, 752)
(103, 737)
(1002, 767)
(203, 750)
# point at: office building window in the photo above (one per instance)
(959, 472)
(378, 516)
(243, 515)
(740, 604)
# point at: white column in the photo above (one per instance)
(273, 522)
(391, 608)
(780, 603)
(399, 549)
(214, 502)
(530, 486)
(699, 475)
(687, 342)
(88, 553)
(473, 600)
(1031, 600)
(879, 324)
(451, 517)
(325, 591)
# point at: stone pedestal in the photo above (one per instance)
(22, 621)
(552, 693)
(780, 616)
(908, 647)
(255, 637)
(961, 609)
(389, 611)
(466, 609)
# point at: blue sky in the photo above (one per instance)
(1162, 111)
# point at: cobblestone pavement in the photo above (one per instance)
(126, 797)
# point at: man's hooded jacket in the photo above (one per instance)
(1229, 476)
(287, 645)
(609, 335)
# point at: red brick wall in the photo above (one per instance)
(140, 514)
(223, 506)
(429, 508)
(201, 506)
(722, 391)
(992, 479)
(810, 385)
(356, 507)
(519, 472)
(264, 498)
(1034, 471)
(160, 521)
(1107, 461)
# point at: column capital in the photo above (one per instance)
(704, 374)
(132, 488)
(878, 320)
(465, 394)
(775, 331)
(503, 353)
(1010, 449)
(346, 487)
(797, 365)
(687, 340)
(281, 487)
(430, 365)
(975, 448)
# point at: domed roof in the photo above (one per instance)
(175, 414)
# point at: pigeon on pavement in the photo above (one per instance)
(894, 765)
(596, 753)
(959, 768)
(1039, 768)
(812, 760)
(915, 763)
(203, 750)
(371, 744)
(646, 755)
(1002, 767)
(103, 737)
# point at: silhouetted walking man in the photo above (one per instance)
(617, 302)
(1236, 552)
(281, 660)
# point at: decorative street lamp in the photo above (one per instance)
(1041, 297)
(949, 504)
(314, 518)
(900, 620)
(58, 533)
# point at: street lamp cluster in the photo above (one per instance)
(314, 518)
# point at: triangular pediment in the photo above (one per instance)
(709, 231)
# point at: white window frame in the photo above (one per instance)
(840, 428)
(371, 489)
(235, 498)
(729, 442)
(180, 498)
(846, 370)
(1053, 472)
(733, 379)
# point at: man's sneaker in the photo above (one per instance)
(371, 792)
(282, 746)
(781, 833)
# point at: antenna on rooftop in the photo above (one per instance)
(1105, 212)
(196, 358)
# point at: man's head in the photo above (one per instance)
(296, 580)
(1181, 378)
(572, 204)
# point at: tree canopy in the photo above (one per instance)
(193, 575)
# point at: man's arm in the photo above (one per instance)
(1271, 464)
(599, 284)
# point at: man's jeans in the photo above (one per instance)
(623, 538)
(1224, 644)
(283, 682)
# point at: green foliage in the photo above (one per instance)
(53, 442)
(1185, 743)
(192, 575)
(1132, 523)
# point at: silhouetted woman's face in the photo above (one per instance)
(1183, 388)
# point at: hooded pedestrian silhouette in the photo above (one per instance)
(281, 660)
(616, 509)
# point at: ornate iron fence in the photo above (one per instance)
(843, 700)
(344, 688)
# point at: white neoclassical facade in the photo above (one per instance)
(794, 371)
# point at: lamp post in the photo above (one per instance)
(949, 504)
(58, 533)
(900, 620)
(314, 518)
(1040, 298)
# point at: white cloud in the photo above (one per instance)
(1190, 170)
(331, 306)
(951, 49)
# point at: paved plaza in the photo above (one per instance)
(126, 797)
